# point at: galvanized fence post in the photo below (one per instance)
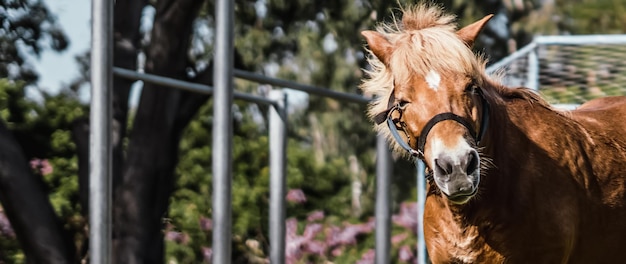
(532, 80)
(384, 170)
(278, 179)
(421, 200)
(100, 154)
(222, 132)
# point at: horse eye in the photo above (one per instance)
(402, 104)
(470, 88)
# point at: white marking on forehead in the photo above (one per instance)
(433, 79)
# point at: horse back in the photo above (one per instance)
(603, 116)
(603, 121)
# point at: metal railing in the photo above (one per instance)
(568, 70)
(277, 135)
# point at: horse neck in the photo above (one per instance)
(520, 143)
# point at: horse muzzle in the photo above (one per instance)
(457, 178)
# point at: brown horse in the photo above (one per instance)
(511, 179)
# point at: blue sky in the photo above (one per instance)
(58, 68)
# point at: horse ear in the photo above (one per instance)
(378, 44)
(469, 33)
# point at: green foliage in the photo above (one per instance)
(326, 185)
(10, 251)
(592, 16)
(27, 26)
(578, 94)
(43, 131)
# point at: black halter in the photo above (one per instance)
(397, 123)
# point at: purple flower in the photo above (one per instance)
(407, 217)
(398, 238)
(178, 237)
(296, 196)
(206, 224)
(326, 241)
(291, 227)
(41, 166)
(294, 242)
(337, 252)
(315, 216)
(331, 235)
(347, 235)
(207, 254)
(311, 230)
(293, 248)
(405, 254)
(296, 245)
(5, 226)
(315, 247)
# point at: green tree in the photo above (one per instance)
(27, 28)
(591, 17)
(39, 134)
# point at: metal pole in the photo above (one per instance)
(421, 200)
(278, 166)
(100, 154)
(383, 200)
(532, 80)
(507, 60)
(222, 132)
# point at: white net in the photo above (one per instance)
(572, 70)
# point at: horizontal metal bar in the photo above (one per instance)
(514, 56)
(183, 85)
(580, 40)
(566, 106)
(301, 87)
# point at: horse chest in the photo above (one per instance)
(452, 244)
(491, 243)
(465, 249)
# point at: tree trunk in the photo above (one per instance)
(28, 208)
(163, 113)
(127, 16)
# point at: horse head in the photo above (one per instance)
(430, 99)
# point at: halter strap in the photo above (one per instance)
(421, 140)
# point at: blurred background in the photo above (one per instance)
(162, 137)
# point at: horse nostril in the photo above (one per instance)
(443, 166)
(472, 164)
